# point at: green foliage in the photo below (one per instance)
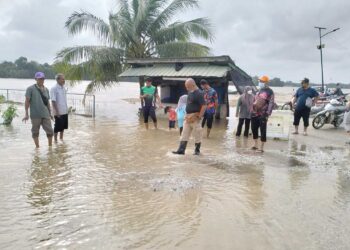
(21, 68)
(9, 114)
(2, 98)
(138, 29)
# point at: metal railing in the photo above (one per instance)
(79, 104)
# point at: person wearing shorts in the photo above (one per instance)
(303, 99)
(37, 100)
(149, 97)
(211, 99)
(60, 108)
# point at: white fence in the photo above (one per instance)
(79, 104)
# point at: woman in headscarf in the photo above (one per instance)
(181, 112)
(243, 111)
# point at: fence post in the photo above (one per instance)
(7, 95)
(93, 106)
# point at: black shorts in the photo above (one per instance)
(61, 123)
(208, 118)
(305, 114)
(149, 111)
(172, 124)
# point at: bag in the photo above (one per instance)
(308, 102)
(44, 98)
(259, 104)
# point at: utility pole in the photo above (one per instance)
(320, 47)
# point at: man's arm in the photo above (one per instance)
(26, 108)
(271, 104)
(216, 100)
(53, 101)
(202, 111)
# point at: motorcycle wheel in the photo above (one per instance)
(338, 122)
(318, 121)
(287, 106)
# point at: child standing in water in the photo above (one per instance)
(171, 115)
(181, 112)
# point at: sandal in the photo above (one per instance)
(254, 148)
(295, 133)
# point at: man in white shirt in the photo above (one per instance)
(58, 96)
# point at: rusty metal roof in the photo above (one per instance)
(169, 70)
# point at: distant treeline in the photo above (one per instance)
(22, 68)
(277, 82)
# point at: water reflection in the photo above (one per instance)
(49, 177)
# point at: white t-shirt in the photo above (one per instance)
(58, 94)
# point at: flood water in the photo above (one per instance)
(113, 185)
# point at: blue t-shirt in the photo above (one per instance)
(302, 95)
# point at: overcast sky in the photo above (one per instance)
(273, 37)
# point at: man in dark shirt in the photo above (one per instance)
(195, 109)
(304, 99)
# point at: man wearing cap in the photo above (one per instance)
(149, 96)
(59, 106)
(303, 101)
(211, 99)
(263, 104)
(37, 100)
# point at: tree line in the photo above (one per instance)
(22, 68)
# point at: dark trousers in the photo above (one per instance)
(246, 127)
(208, 118)
(259, 122)
(149, 111)
(303, 113)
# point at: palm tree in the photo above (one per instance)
(139, 29)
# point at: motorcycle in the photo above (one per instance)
(333, 113)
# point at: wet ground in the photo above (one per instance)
(113, 185)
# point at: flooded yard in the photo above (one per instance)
(113, 185)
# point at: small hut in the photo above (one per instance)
(169, 75)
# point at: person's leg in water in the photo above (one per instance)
(297, 117)
(181, 129)
(186, 133)
(210, 120)
(204, 121)
(255, 129)
(46, 123)
(263, 129)
(36, 123)
(197, 134)
(154, 117)
(145, 116)
(306, 116)
(239, 127)
(246, 127)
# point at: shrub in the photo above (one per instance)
(9, 114)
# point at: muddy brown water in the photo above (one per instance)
(113, 185)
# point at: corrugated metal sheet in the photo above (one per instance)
(168, 70)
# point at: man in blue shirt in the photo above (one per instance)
(303, 100)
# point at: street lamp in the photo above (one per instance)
(321, 46)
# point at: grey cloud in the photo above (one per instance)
(263, 37)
